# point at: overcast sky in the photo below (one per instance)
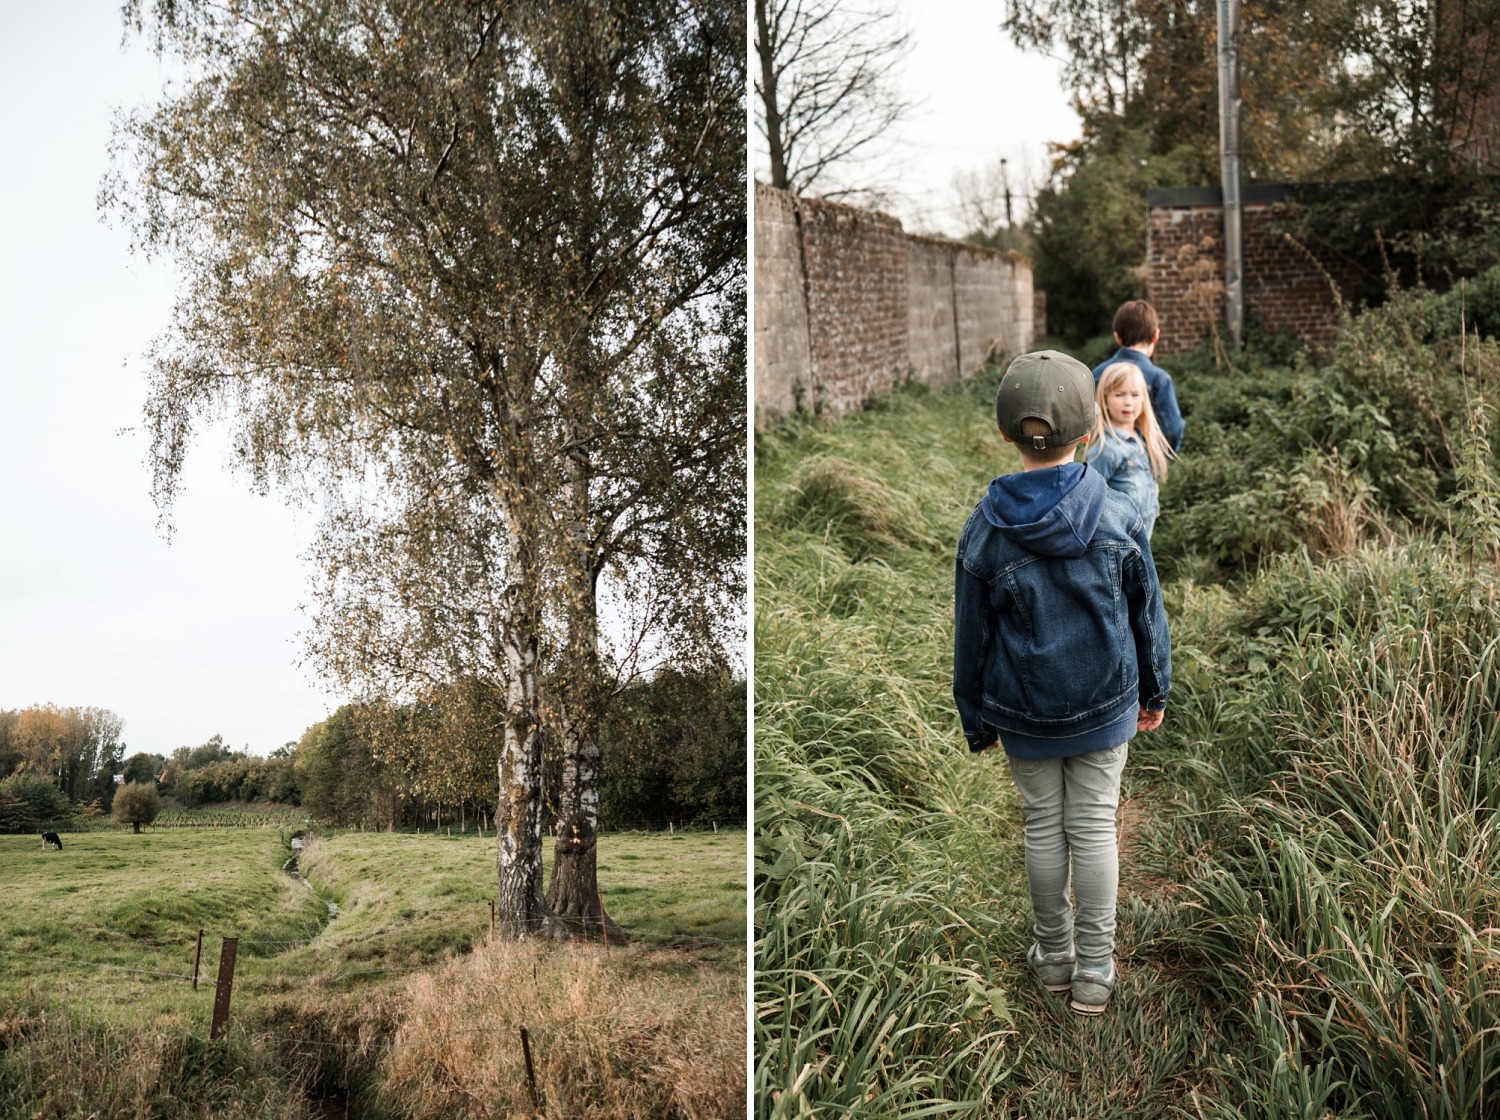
(980, 99)
(183, 641)
(201, 637)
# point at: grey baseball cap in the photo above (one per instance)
(1049, 385)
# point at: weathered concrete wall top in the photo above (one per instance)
(847, 305)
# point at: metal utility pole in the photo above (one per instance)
(1005, 179)
(1229, 162)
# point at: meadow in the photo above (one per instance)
(391, 1003)
(1308, 907)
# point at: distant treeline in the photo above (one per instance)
(53, 760)
(672, 749)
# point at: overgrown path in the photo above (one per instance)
(891, 871)
(1307, 913)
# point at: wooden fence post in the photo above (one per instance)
(197, 956)
(530, 1072)
(227, 953)
(492, 919)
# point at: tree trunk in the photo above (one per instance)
(573, 895)
(769, 94)
(518, 832)
(137, 825)
(518, 815)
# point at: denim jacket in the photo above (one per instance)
(1160, 388)
(1126, 467)
(1059, 634)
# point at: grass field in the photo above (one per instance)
(96, 948)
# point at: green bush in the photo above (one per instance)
(136, 804)
(1089, 229)
(1365, 443)
(31, 801)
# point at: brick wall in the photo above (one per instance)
(854, 265)
(782, 360)
(847, 305)
(1286, 284)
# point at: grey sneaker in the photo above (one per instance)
(1053, 971)
(1091, 990)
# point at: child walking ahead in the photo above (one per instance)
(1060, 654)
(1129, 449)
(1137, 331)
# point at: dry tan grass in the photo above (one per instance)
(615, 1035)
(56, 1066)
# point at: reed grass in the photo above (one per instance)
(892, 915)
(1309, 909)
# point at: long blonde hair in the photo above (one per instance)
(1158, 450)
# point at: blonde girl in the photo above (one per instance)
(1128, 447)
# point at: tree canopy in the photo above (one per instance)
(1398, 97)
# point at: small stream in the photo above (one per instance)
(290, 867)
(334, 1107)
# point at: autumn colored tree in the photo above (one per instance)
(79, 749)
(443, 265)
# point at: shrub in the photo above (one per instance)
(1373, 440)
(137, 804)
(31, 801)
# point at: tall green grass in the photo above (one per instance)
(892, 916)
(1310, 911)
(1346, 902)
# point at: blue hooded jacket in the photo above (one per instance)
(1059, 634)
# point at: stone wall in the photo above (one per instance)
(782, 360)
(1286, 284)
(854, 268)
(847, 305)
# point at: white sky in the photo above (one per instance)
(202, 637)
(981, 99)
(182, 642)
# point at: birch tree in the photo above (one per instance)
(423, 246)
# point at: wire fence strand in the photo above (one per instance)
(85, 963)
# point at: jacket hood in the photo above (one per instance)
(1052, 512)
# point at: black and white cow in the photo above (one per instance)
(49, 838)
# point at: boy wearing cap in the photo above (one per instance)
(1060, 654)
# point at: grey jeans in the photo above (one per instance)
(1070, 808)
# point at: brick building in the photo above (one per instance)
(1286, 283)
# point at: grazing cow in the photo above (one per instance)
(51, 838)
